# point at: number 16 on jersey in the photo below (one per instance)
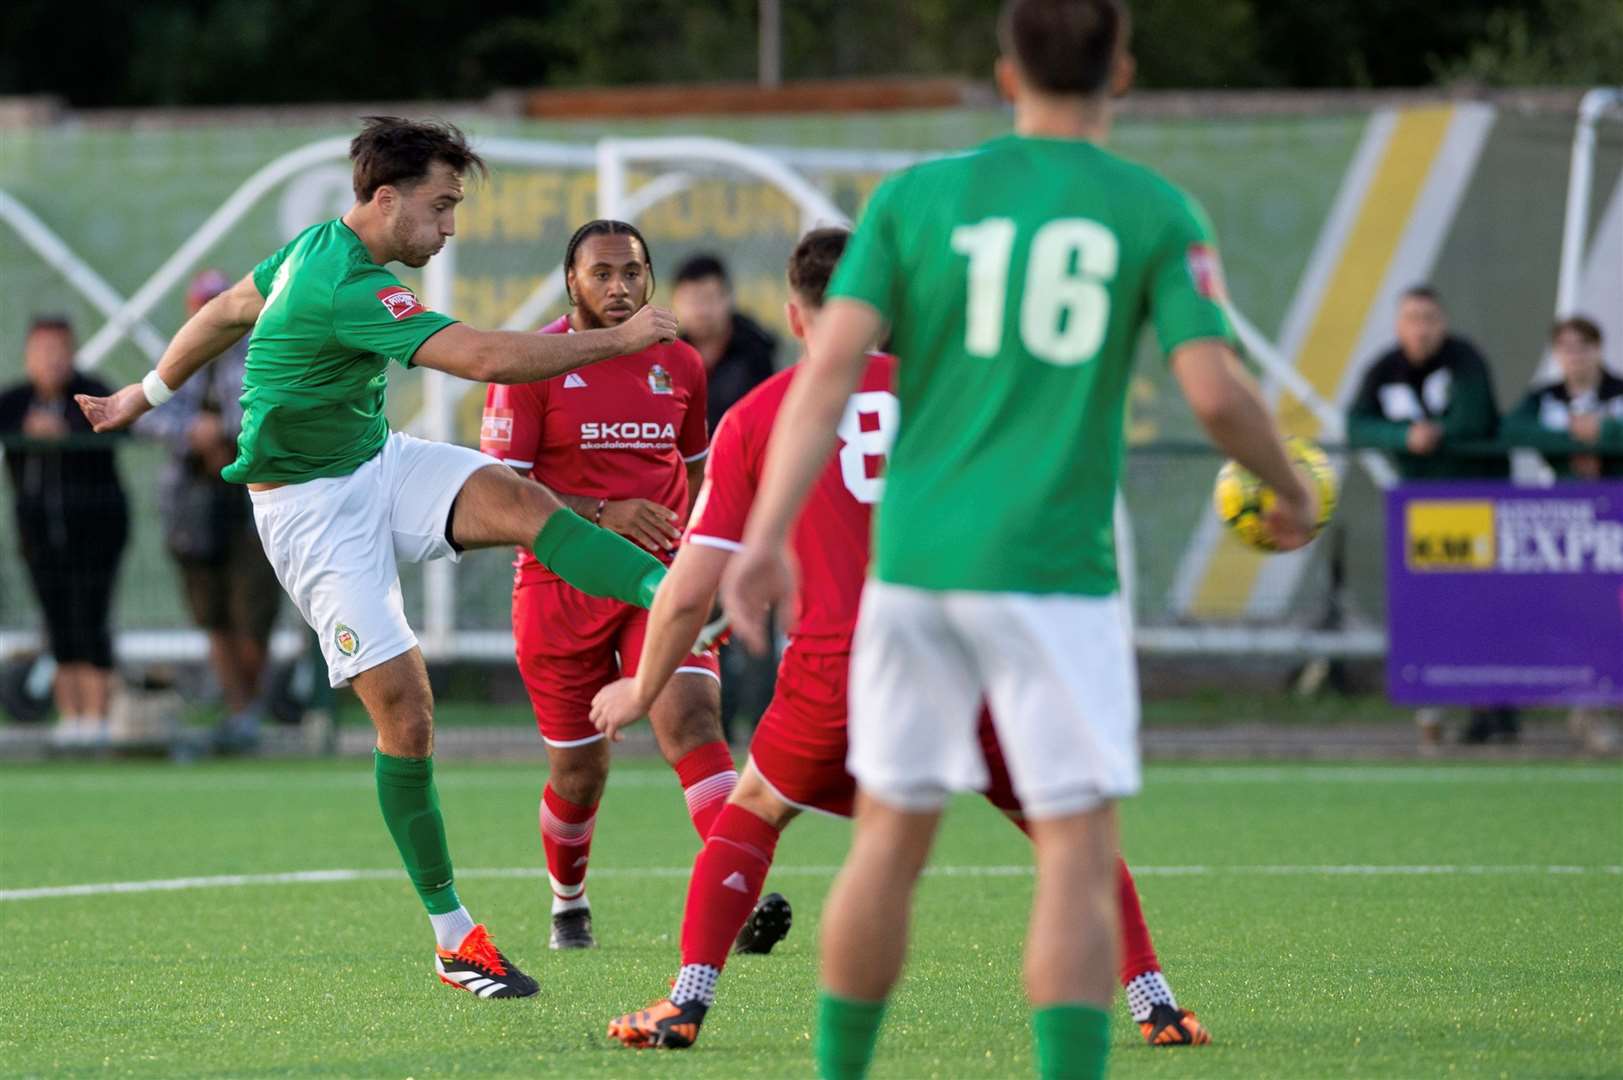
(1065, 301)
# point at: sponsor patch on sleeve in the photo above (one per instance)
(496, 428)
(400, 301)
(1206, 270)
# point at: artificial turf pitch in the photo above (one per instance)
(1458, 920)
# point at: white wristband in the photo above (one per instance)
(156, 390)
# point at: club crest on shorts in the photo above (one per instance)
(659, 380)
(347, 640)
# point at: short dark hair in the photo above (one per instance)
(1581, 325)
(812, 263)
(1063, 46)
(49, 324)
(1421, 292)
(701, 266)
(399, 152)
(608, 227)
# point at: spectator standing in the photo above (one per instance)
(1575, 422)
(229, 586)
(72, 521)
(1421, 400)
(738, 355)
(737, 351)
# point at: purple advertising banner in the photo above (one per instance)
(1501, 595)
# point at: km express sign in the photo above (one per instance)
(1502, 595)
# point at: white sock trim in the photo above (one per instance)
(572, 902)
(451, 928)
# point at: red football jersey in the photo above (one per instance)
(622, 428)
(831, 537)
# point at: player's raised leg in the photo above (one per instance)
(397, 697)
(496, 508)
(722, 897)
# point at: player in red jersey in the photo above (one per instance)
(622, 444)
(797, 757)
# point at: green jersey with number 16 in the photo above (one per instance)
(1016, 279)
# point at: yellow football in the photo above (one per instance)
(1242, 500)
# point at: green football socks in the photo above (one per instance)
(1073, 1041)
(596, 561)
(411, 808)
(847, 1030)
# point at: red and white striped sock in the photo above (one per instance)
(708, 778)
(566, 834)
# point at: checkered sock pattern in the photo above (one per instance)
(696, 982)
(1146, 992)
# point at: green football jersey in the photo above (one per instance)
(1016, 279)
(312, 398)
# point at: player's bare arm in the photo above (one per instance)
(214, 329)
(802, 440)
(505, 356)
(674, 622)
(1226, 401)
(695, 483)
(642, 521)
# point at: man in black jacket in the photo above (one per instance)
(738, 353)
(1421, 399)
(72, 520)
(1426, 395)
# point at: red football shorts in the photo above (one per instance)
(799, 746)
(570, 645)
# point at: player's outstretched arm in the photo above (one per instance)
(1226, 401)
(680, 608)
(507, 356)
(802, 440)
(214, 329)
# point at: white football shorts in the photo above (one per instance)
(1058, 672)
(336, 542)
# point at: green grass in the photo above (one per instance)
(1513, 972)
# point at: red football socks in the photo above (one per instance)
(726, 883)
(1137, 950)
(708, 778)
(566, 834)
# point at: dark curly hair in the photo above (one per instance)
(398, 152)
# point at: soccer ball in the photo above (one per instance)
(1242, 500)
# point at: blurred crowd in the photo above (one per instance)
(1429, 402)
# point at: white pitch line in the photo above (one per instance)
(319, 877)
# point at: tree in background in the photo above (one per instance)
(215, 52)
(1566, 43)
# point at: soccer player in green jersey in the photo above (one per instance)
(339, 499)
(1015, 279)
